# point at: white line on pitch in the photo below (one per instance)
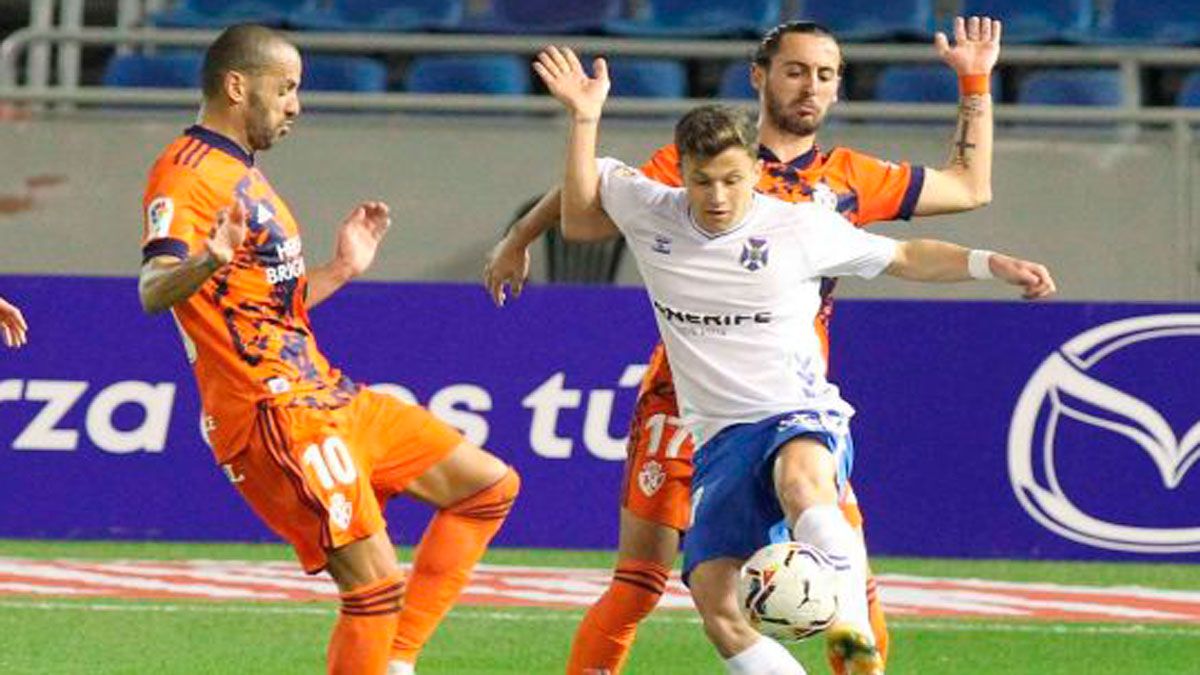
(573, 616)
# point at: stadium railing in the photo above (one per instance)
(32, 43)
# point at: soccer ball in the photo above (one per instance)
(786, 591)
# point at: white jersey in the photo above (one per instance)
(736, 309)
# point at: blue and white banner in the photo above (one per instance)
(984, 429)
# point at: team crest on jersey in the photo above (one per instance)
(662, 244)
(651, 478)
(754, 254)
(340, 511)
(158, 217)
(823, 195)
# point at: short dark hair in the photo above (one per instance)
(768, 47)
(245, 48)
(709, 130)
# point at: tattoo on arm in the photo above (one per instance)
(971, 107)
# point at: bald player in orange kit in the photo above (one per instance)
(314, 454)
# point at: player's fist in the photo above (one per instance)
(976, 45)
(228, 234)
(1033, 278)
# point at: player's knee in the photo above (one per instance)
(493, 502)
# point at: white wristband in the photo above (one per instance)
(978, 264)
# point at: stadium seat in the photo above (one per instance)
(176, 70)
(920, 84)
(687, 18)
(221, 13)
(582, 262)
(546, 16)
(735, 82)
(648, 78)
(1189, 91)
(1091, 87)
(1032, 21)
(468, 75)
(1171, 22)
(344, 73)
(382, 15)
(870, 19)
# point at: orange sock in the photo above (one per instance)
(454, 541)
(364, 628)
(604, 637)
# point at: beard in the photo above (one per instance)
(792, 122)
(259, 132)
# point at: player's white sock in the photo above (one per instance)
(397, 667)
(765, 657)
(824, 526)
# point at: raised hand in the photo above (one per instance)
(359, 236)
(12, 324)
(1035, 279)
(229, 233)
(507, 265)
(568, 82)
(976, 45)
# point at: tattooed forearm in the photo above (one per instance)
(970, 108)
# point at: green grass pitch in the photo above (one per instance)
(104, 635)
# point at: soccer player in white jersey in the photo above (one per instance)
(734, 279)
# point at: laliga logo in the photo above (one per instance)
(1066, 373)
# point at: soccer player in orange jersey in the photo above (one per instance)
(797, 72)
(12, 324)
(314, 454)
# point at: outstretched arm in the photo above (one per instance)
(939, 261)
(165, 280)
(357, 242)
(583, 97)
(965, 182)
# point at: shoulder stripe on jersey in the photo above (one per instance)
(186, 147)
(913, 194)
(175, 248)
(200, 157)
(191, 154)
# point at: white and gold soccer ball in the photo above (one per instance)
(787, 591)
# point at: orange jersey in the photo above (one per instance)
(246, 330)
(860, 187)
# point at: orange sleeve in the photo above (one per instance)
(663, 166)
(178, 214)
(886, 190)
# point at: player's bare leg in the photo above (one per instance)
(805, 478)
(644, 558)
(473, 491)
(370, 585)
(714, 589)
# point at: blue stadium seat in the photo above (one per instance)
(468, 75)
(1171, 22)
(383, 15)
(546, 16)
(221, 13)
(1091, 87)
(344, 73)
(920, 84)
(648, 78)
(1031, 21)
(1189, 91)
(176, 70)
(735, 82)
(687, 18)
(871, 19)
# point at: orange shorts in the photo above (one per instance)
(659, 462)
(315, 476)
